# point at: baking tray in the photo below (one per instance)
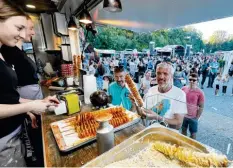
(66, 143)
(141, 140)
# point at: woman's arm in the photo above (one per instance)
(12, 110)
(22, 100)
(36, 106)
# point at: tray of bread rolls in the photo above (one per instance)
(81, 129)
(158, 146)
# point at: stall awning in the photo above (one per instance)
(150, 15)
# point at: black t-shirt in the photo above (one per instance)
(9, 95)
(25, 68)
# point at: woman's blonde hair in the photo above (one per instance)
(9, 9)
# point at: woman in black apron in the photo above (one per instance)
(13, 108)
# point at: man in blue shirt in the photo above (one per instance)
(118, 91)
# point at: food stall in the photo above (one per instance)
(77, 150)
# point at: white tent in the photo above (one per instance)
(228, 58)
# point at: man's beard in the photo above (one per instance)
(165, 87)
(121, 83)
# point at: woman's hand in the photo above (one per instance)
(33, 119)
(51, 99)
(40, 106)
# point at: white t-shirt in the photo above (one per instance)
(217, 80)
(92, 70)
(166, 104)
(132, 67)
(116, 63)
(146, 83)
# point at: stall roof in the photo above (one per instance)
(150, 15)
(41, 5)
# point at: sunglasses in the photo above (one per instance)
(194, 80)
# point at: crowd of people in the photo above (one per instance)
(172, 87)
(142, 70)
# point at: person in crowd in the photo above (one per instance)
(217, 83)
(193, 70)
(150, 64)
(117, 90)
(157, 63)
(230, 71)
(145, 60)
(145, 83)
(188, 68)
(221, 64)
(197, 68)
(165, 102)
(107, 80)
(92, 68)
(94, 57)
(225, 81)
(204, 72)
(100, 71)
(195, 104)
(136, 75)
(132, 67)
(13, 108)
(116, 62)
(231, 84)
(141, 70)
(125, 63)
(106, 65)
(112, 66)
(179, 75)
(214, 65)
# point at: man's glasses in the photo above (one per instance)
(194, 80)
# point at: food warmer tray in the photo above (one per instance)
(141, 140)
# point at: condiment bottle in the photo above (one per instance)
(105, 134)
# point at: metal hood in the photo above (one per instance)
(150, 15)
(52, 41)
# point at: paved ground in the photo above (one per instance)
(216, 123)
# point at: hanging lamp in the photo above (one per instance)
(85, 16)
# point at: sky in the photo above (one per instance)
(207, 28)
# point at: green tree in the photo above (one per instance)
(119, 39)
(218, 37)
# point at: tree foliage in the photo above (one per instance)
(119, 39)
(219, 41)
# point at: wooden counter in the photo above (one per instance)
(80, 156)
